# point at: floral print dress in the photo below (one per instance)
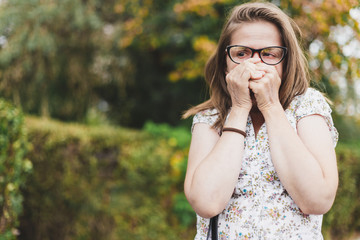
(260, 208)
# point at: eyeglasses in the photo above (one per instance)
(270, 55)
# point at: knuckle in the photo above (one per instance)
(228, 77)
(270, 76)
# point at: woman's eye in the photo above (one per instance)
(271, 53)
(268, 55)
(241, 54)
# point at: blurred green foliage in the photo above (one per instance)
(343, 218)
(47, 58)
(104, 182)
(137, 63)
(14, 168)
(135, 60)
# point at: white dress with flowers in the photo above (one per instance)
(260, 208)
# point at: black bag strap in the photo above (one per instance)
(213, 228)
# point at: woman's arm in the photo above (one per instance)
(215, 162)
(214, 165)
(305, 162)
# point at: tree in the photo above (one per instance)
(331, 29)
(196, 25)
(139, 60)
(48, 55)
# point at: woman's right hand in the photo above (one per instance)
(238, 82)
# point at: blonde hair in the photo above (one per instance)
(295, 79)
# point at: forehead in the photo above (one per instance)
(257, 34)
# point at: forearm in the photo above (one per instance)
(215, 178)
(213, 181)
(298, 169)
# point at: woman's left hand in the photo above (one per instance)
(266, 89)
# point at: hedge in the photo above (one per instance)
(105, 183)
(13, 168)
(343, 219)
(108, 183)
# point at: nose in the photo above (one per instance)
(256, 55)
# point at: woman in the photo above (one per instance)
(262, 150)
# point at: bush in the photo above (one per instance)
(105, 183)
(111, 183)
(343, 218)
(13, 168)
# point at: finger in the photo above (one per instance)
(258, 69)
(255, 86)
(257, 75)
(243, 71)
(273, 77)
(250, 68)
(269, 72)
(253, 60)
(246, 71)
(265, 82)
(246, 65)
(264, 67)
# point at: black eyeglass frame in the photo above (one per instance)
(253, 51)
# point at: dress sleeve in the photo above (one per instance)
(208, 116)
(313, 102)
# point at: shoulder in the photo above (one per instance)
(208, 116)
(313, 96)
(309, 94)
(313, 102)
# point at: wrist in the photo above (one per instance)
(240, 109)
(272, 110)
(230, 129)
(237, 118)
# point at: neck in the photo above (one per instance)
(257, 119)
